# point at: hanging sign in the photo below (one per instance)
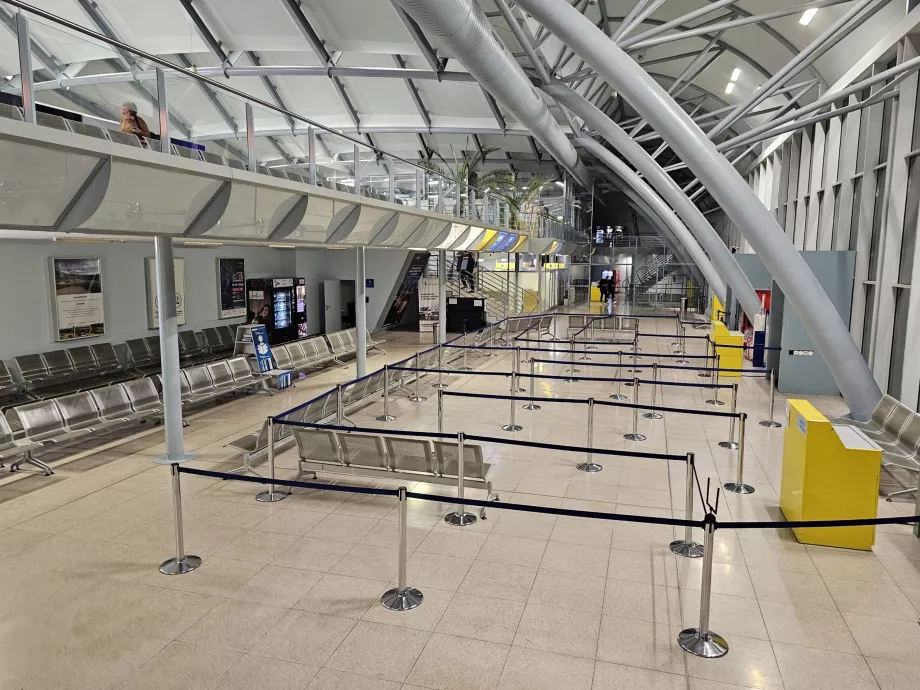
(261, 348)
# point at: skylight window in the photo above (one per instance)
(807, 16)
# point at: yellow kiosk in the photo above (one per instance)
(830, 472)
(729, 357)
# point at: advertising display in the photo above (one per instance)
(497, 242)
(279, 304)
(408, 290)
(78, 303)
(428, 304)
(261, 347)
(231, 287)
(153, 310)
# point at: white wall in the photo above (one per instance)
(25, 286)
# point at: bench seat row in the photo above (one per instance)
(896, 429)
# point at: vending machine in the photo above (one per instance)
(280, 304)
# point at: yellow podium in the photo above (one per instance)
(595, 293)
(830, 472)
(729, 357)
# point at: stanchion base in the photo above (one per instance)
(584, 359)
(708, 646)
(681, 361)
(271, 496)
(634, 437)
(402, 599)
(386, 418)
(714, 402)
(570, 380)
(770, 424)
(593, 347)
(702, 374)
(180, 566)
(589, 467)
(418, 398)
(459, 519)
(687, 549)
(736, 488)
(466, 368)
(731, 445)
(512, 427)
(532, 406)
(617, 396)
(439, 385)
(652, 415)
(518, 390)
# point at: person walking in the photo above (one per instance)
(603, 285)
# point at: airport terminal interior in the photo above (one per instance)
(459, 344)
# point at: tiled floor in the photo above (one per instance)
(287, 597)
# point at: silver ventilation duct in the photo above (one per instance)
(465, 29)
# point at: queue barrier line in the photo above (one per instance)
(485, 439)
(748, 347)
(565, 512)
(687, 384)
(606, 403)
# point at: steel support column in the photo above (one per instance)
(805, 294)
(169, 348)
(442, 296)
(25, 67)
(361, 312)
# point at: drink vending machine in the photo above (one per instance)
(280, 304)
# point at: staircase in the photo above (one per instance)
(647, 276)
(493, 287)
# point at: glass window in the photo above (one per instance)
(854, 215)
(898, 341)
(911, 212)
(867, 321)
(877, 221)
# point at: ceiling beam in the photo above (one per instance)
(493, 106)
(414, 94)
(209, 38)
(430, 54)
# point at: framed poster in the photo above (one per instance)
(408, 291)
(153, 311)
(428, 304)
(78, 304)
(231, 288)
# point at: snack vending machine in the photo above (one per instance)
(280, 304)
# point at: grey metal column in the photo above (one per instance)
(163, 112)
(665, 185)
(361, 312)
(252, 165)
(311, 153)
(357, 167)
(539, 261)
(442, 296)
(740, 203)
(25, 67)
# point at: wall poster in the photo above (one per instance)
(231, 288)
(78, 303)
(428, 304)
(408, 290)
(153, 311)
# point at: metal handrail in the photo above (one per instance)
(172, 67)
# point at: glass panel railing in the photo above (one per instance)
(406, 183)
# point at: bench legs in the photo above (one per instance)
(246, 467)
(27, 458)
(342, 364)
(489, 497)
(902, 492)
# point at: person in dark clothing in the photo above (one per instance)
(604, 286)
(467, 272)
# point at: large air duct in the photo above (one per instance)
(464, 28)
(660, 210)
(803, 292)
(665, 185)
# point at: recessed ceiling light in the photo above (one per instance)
(736, 73)
(807, 16)
(729, 87)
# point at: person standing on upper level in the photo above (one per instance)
(132, 122)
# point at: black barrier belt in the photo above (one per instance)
(747, 347)
(625, 316)
(566, 512)
(584, 401)
(672, 335)
(452, 371)
(289, 482)
(569, 340)
(759, 372)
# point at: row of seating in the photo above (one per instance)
(59, 421)
(392, 457)
(194, 346)
(318, 351)
(326, 177)
(896, 428)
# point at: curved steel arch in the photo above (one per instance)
(803, 291)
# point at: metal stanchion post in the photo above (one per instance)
(770, 423)
(182, 563)
(517, 370)
(440, 410)
(460, 518)
(386, 416)
(703, 373)
(739, 487)
(592, 347)
(584, 356)
(491, 341)
(731, 444)
(464, 366)
(683, 346)
(702, 641)
(636, 336)
(686, 547)
(635, 435)
(676, 332)
(651, 414)
(272, 496)
(511, 425)
(572, 368)
(589, 465)
(418, 382)
(619, 375)
(402, 597)
(715, 385)
(532, 405)
(440, 384)
(339, 406)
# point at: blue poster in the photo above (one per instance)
(263, 351)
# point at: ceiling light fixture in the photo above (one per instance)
(807, 16)
(729, 87)
(201, 243)
(560, 184)
(736, 74)
(283, 246)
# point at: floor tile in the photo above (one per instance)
(277, 586)
(499, 580)
(304, 637)
(182, 666)
(256, 671)
(618, 677)
(501, 548)
(435, 570)
(458, 663)
(640, 601)
(526, 669)
(575, 558)
(569, 591)
(894, 675)
(328, 679)
(552, 629)
(379, 651)
(347, 528)
(640, 643)
(339, 595)
(424, 617)
(313, 554)
(807, 627)
(234, 625)
(452, 543)
(796, 589)
(481, 618)
(749, 663)
(871, 599)
(813, 669)
(884, 638)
